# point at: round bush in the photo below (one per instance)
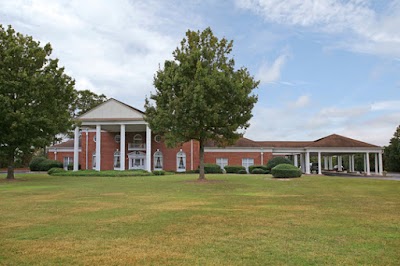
(285, 171)
(47, 164)
(55, 170)
(234, 169)
(35, 162)
(252, 167)
(276, 161)
(257, 171)
(158, 172)
(242, 171)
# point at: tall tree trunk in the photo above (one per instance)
(202, 176)
(10, 169)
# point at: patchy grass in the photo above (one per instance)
(234, 220)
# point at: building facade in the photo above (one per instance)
(114, 136)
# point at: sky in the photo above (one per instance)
(325, 67)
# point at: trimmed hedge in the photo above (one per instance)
(234, 169)
(276, 161)
(209, 168)
(242, 172)
(158, 172)
(258, 171)
(107, 173)
(43, 164)
(252, 167)
(55, 170)
(285, 171)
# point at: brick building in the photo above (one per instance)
(115, 136)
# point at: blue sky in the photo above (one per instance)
(328, 66)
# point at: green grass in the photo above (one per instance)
(171, 220)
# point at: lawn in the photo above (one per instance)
(171, 220)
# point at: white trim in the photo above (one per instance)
(98, 147)
(122, 147)
(76, 149)
(117, 123)
(148, 148)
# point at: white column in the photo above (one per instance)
(353, 167)
(307, 162)
(367, 163)
(122, 148)
(295, 161)
(319, 164)
(380, 163)
(349, 170)
(376, 163)
(339, 163)
(302, 163)
(148, 148)
(98, 147)
(76, 149)
(326, 163)
(330, 163)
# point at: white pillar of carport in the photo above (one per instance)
(319, 164)
(296, 163)
(326, 163)
(367, 163)
(380, 163)
(307, 166)
(76, 149)
(98, 147)
(122, 148)
(330, 163)
(302, 164)
(376, 163)
(148, 148)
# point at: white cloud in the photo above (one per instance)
(271, 72)
(301, 102)
(386, 106)
(371, 32)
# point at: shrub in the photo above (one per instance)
(285, 170)
(257, 171)
(242, 171)
(252, 167)
(276, 161)
(158, 172)
(34, 164)
(234, 169)
(71, 166)
(55, 170)
(210, 168)
(47, 164)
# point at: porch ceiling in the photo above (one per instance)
(117, 128)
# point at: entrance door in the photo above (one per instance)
(137, 160)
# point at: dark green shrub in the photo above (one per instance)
(285, 170)
(234, 169)
(55, 170)
(158, 172)
(276, 161)
(257, 171)
(34, 164)
(48, 164)
(210, 168)
(242, 171)
(71, 166)
(252, 167)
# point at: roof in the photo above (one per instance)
(335, 140)
(112, 109)
(65, 144)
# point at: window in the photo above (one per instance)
(137, 141)
(222, 162)
(181, 161)
(117, 138)
(94, 160)
(117, 159)
(157, 138)
(246, 162)
(158, 160)
(67, 161)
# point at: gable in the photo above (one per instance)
(335, 140)
(113, 109)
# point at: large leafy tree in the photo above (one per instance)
(392, 153)
(36, 96)
(200, 95)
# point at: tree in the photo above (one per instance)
(87, 100)
(392, 153)
(35, 96)
(199, 95)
